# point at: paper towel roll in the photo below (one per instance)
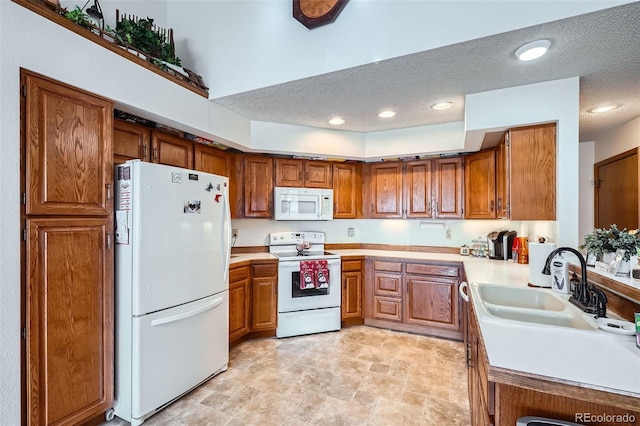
(538, 253)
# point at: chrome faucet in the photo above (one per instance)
(581, 294)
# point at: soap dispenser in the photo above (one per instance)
(560, 275)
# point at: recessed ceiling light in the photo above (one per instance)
(336, 121)
(533, 50)
(441, 105)
(387, 114)
(604, 108)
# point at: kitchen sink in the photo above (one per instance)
(521, 297)
(561, 319)
(530, 305)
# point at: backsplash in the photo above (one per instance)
(255, 232)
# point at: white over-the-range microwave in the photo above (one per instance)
(303, 203)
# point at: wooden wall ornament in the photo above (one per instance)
(314, 13)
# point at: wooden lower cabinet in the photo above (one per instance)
(416, 297)
(500, 397)
(352, 291)
(264, 297)
(239, 303)
(69, 320)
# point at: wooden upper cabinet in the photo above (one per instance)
(69, 320)
(236, 184)
(289, 172)
(258, 186)
(130, 142)
(418, 189)
(210, 160)
(171, 150)
(480, 185)
(303, 173)
(347, 190)
(68, 152)
(448, 187)
(318, 174)
(533, 172)
(385, 189)
(502, 179)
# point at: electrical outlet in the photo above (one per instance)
(234, 233)
(447, 233)
(351, 232)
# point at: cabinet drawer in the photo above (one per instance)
(387, 284)
(387, 308)
(351, 265)
(442, 270)
(380, 265)
(238, 274)
(265, 270)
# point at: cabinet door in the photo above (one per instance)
(130, 142)
(265, 307)
(533, 172)
(236, 184)
(418, 185)
(480, 185)
(386, 190)
(258, 186)
(352, 294)
(68, 160)
(171, 150)
(318, 174)
(386, 284)
(289, 172)
(432, 301)
(347, 191)
(502, 179)
(239, 303)
(69, 320)
(448, 187)
(210, 160)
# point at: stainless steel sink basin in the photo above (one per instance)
(561, 319)
(521, 297)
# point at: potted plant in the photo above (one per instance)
(141, 35)
(602, 241)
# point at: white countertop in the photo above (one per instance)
(596, 358)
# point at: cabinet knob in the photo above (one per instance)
(491, 205)
(109, 193)
(145, 152)
(155, 153)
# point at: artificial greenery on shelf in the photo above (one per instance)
(140, 34)
(79, 17)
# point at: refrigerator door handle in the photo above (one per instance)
(226, 241)
(191, 313)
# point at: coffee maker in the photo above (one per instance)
(500, 243)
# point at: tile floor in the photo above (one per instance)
(357, 376)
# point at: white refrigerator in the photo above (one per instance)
(173, 235)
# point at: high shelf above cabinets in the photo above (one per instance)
(430, 188)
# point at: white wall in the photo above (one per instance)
(256, 44)
(585, 176)
(618, 141)
(435, 139)
(255, 232)
(553, 101)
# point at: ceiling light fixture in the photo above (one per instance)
(336, 121)
(604, 108)
(441, 105)
(386, 114)
(533, 50)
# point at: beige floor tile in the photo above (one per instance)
(382, 385)
(341, 413)
(387, 412)
(357, 376)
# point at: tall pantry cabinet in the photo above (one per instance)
(67, 254)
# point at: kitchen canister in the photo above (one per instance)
(538, 253)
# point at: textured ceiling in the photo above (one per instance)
(603, 48)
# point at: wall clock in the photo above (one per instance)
(313, 13)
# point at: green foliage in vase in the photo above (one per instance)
(140, 34)
(602, 240)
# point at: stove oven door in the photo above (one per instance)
(292, 298)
